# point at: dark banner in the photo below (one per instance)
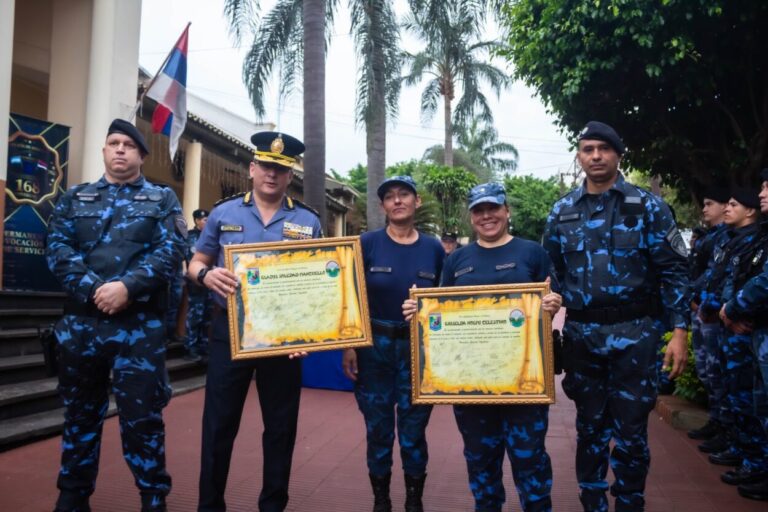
(38, 152)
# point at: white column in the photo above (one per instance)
(193, 158)
(113, 75)
(6, 67)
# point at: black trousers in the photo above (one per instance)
(278, 381)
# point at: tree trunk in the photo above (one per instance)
(314, 106)
(376, 134)
(448, 145)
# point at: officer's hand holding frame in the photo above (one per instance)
(482, 345)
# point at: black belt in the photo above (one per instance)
(392, 331)
(90, 309)
(613, 314)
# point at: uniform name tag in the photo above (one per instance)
(633, 200)
(231, 228)
(426, 275)
(381, 269)
(140, 197)
(88, 197)
(296, 231)
(505, 266)
(463, 271)
(568, 217)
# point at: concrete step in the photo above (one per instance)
(22, 368)
(21, 430)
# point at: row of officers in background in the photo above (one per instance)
(611, 252)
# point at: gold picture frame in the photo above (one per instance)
(482, 345)
(294, 296)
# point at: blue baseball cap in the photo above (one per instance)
(486, 193)
(595, 130)
(405, 181)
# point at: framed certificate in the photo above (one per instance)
(482, 345)
(305, 295)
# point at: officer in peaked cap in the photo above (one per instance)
(617, 252)
(115, 269)
(263, 214)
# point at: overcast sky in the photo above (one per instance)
(215, 72)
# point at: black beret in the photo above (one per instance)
(595, 130)
(199, 214)
(764, 174)
(277, 148)
(126, 128)
(719, 193)
(449, 236)
(747, 197)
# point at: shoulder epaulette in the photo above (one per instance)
(78, 186)
(304, 205)
(236, 196)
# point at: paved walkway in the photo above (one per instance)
(329, 465)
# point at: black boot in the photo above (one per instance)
(380, 485)
(757, 491)
(727, 457)
(70, 501)
(717, 444)
(414, 488)
(708, 431)
(742, 475)
(153, 503)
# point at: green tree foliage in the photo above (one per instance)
(687, 212)
(450, 186)
(685, 82)
(530, 200)
(454, 62)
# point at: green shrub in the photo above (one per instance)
(688, 384)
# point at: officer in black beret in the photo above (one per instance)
(113, 246)
(450, 241)
(198, 321)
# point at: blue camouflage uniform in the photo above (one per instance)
(383, 386)
(101, 233)
(706, 326)
(236, 220)
(615, 253)
(740, 374)
(199, 301)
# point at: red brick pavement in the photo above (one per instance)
(329, 465)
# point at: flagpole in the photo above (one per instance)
(151, 82)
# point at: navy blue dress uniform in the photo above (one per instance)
(383, 385)
(199, 302)
(237, 220)
(100, 233)
(615, 254)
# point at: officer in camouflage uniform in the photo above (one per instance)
(746, 312)
(113, 245)
(199, 299)
(705, 327)
(616, 249)
(264, 214)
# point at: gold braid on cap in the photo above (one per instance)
(275, 154)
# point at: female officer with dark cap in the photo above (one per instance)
(395, 258)
(489, 430)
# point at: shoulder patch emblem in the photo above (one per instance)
(676, 241)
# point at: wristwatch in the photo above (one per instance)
(201, 275)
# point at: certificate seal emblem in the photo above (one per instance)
(253, 276)
(516, 318)
(332, 269)
(435, 322)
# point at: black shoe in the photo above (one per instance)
(70, 501)
(725, 458)
(708, 431)
(153, 503)
(717, 444)
(757, 491)
(193, 357)
(742, 475)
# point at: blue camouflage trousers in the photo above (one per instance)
(198, 321)
(613, 381)
(760, 349)
(132, 347)
(709, 364)
(383, 393)
(175, 292)
(739, 377)
(491, 430)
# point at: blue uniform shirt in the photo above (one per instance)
(238, 221)
(619, 247)
(102, 232)
(392, 268)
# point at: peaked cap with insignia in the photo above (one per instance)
(277, 148)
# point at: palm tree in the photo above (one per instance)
(454, 59)
(297, 32)
(483, 146)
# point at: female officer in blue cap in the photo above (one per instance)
(489, 430)
(396, 258)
